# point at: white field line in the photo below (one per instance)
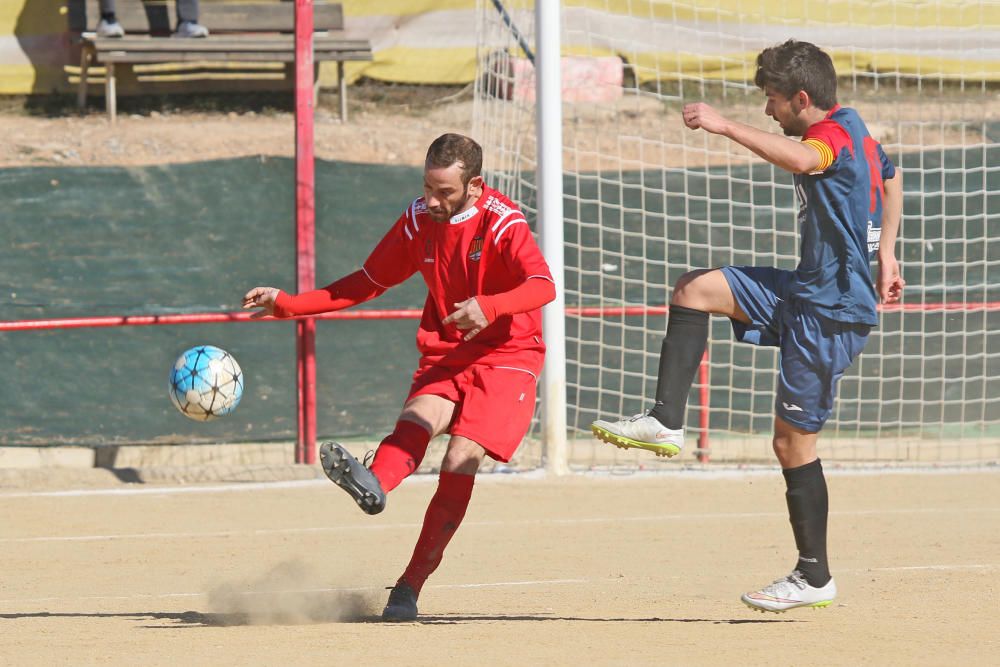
(169, 490)
(474, 585)
(572, 521)
(719, 473)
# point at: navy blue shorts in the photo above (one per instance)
(815, 350)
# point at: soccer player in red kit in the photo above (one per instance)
(480, 343)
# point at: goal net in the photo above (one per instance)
(646, 200)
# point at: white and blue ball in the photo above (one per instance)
(205, 383)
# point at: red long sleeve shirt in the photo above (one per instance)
(486, 252)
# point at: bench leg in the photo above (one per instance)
(315, 86)
(81, 90)
(110, 97)
(342, 89)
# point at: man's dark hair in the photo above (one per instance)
(451, 148)
(794, 66)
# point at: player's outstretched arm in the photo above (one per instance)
(349, 291)
(790, 155)
(890, 283)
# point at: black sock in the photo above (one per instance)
(108, 16)
(680, 356)
(808, 506)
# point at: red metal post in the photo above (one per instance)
(305, 228)
(703, 451)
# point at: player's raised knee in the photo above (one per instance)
(695, 289)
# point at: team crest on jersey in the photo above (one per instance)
(476, 248)
(428, 251)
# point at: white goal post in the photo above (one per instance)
(638, 199)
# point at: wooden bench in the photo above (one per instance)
(248, 32)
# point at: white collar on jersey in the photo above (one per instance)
(463, 216)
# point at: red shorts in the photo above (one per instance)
(493, 406)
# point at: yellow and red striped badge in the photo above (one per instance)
(476, 248)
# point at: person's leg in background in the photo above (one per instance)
(108, 26)
(187, 20)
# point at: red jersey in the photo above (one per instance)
(487, 249)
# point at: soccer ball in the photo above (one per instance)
(205, 383)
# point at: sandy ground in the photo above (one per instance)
(623, 569)
(394, 126)
(372, 134)
(587, 570)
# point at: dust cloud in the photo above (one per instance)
(290, 594)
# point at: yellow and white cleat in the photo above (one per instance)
(641, 432)
(790, 592)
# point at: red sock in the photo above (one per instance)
(400, 454)
(444, 515)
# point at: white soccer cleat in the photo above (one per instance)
(790, 592)
(641, 431)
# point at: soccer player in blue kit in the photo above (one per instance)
(819, 315)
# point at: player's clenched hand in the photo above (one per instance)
(263, 298)
(890, 283)
(469, 317)
(700, 115)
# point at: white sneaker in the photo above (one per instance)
(641, 431)
(107, 28)
(791, 592)
(191, 30)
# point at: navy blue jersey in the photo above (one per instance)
(840, 218)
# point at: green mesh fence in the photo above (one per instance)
(194, 237)
(179, 239)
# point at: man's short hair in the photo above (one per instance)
(794, 66)
(451, 148)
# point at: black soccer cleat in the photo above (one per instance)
(402, 604)
(352, 476)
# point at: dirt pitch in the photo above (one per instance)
(623, 570)
(629, 570)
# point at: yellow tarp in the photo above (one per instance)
(434, 41)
